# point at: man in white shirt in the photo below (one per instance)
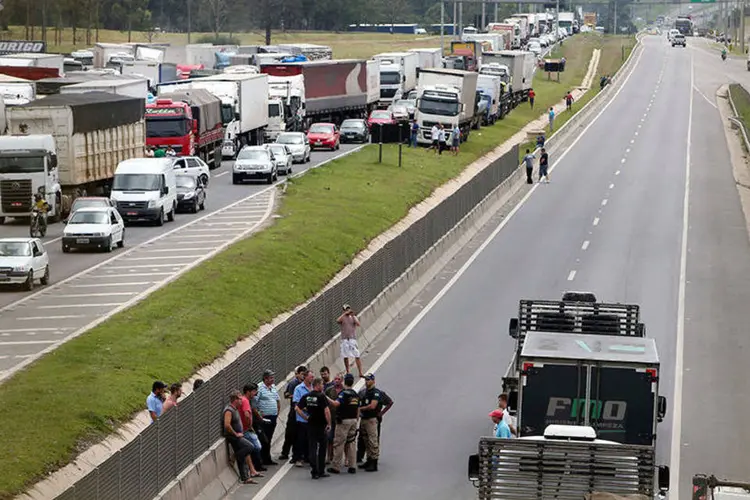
(434, 133)
(502, 403)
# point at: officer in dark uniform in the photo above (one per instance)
(371, 412)
(386, 403)
(345, 435)
(313, 407)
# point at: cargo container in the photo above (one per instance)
(54, 61)
(465, 56)
(16, 91)
(490, 90)
(154, 72)
(521, 65)
(334, 90)
(189, 121)
(398, 74)
(137, 88)
(511, 30)
(93, 132)
(488, 41)
(103, 52)
(448, 97)
(429, 57)
(311, 51)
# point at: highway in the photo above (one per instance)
(87, 287)
(612, 221)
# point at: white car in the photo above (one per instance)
(535, 48)
(192, 165)
(283, 156)
(254, 162)
(228, 149)
(94, 227)
(298, 144)
(22, 261)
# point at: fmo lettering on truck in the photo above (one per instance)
(608, 414)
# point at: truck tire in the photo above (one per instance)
(217, 158)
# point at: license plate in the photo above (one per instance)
(131, 213)
(82, 240)
(318, 143)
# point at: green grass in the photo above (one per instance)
(100, 379)
(741, 99)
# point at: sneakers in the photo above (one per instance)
(352, 470)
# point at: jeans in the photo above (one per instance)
(252, 438)
(413, 140)
(317, 442)
(299, 451)
(242, 448)
(290, 434)
(529, 171)
(268, 429)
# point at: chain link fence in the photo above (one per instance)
(145, 466)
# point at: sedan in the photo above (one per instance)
(95, 227)
(254, 162)
(192, 165)
(381, 117)
(535, 49)
(409, 104)
(191, 193)
(298, 144)
(354, 130)
(283, 156)
(324, 135)
(90, 201)
(22, 261)
(400, 112)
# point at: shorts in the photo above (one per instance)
(455, 143)
(349, 348)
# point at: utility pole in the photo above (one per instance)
(455, 19)
(460, 19)
(484, 16)
(557, 18)
(496, 12)
(742, 27)
(442, 28)
(188, 19)
(615, 17)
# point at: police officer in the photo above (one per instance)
(386, 404)
(313, 408)
(370, 408)
(347, 413)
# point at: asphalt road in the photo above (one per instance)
(97, 284)
(611, 221)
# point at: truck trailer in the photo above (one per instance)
(137, 88)
(448, 97)
(92, 133)
(154, 72)
(398, 74)
(429, 58)
(51, 61)
(521, 65)
(16, 91)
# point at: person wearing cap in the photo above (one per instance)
(369, 410)
(501, 430)
(155, 400)
(346, 407)
(269, 405)
(385, 404)
(290, 435)
(349, 349)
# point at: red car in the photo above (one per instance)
(381, 117)
(324, 135)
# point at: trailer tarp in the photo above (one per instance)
(206, 105)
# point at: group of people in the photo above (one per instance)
(152, 152)
(504, 426)
(439, 136)
(528, 160)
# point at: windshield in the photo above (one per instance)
(185, 181)
(83, 203)
(353, 125)
(253, 154)
(227, 113)
(167, 127)
(434, 106)
(321, 129)
(274, 110)
(137, 182)
(21, 164)
(89, 218)
(383, 115)
(277, 150)
(403, 103)
(289, 139)
(390, 78)
(15, 249)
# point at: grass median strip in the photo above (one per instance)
(98, 380)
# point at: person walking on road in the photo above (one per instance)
(313, 409)
(551, 116)
(347, 413)
(301, 445)
(544, 166)
(532, 95)
(349, 349)
(370, 407)
(529, 161)
(269, 405)
(290, 436)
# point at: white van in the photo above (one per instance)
(145, 189)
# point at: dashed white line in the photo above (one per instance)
(28, 342)
(611, 186)
(223, 173)
(622, 161)
(571, 275)
(585, 245)
(41, 318)
(120, 283)
(632, 141)
(604, 202)
(627, 151)
(596, 221)
(617, 173)
(65, 306)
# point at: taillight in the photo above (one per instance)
(527, 366)
(653, 372)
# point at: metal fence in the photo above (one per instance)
(141, 469)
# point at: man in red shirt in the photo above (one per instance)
(532, 95)
(246, 415)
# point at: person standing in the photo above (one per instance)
(385, 404)
(501, 428)
(349, 349)
(290, 435)
(528, 159)
(532, 95)
(332, 391)
(248, 429)
(544, 166)
(313, 409)
(175, 392)
(155, 400)
(434, 133)
(232, 429)
(414, 133)
(569, 101)
(299, 453)
(269, 405)
(455, 139)
(369, 410)
(441, 139)
(502, 403)
(551, 117)
(347, 413)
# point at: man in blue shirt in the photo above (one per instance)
(501, 428)
(268, 404)
(290, 436)
(154, 401)
(299, 451)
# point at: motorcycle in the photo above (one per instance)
(37, 227)
(723, 56)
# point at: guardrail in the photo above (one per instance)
(145, 466)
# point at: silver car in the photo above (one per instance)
(283, 156)
(298, 144)
(254, 162)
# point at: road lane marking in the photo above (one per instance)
(119, 283)
(166, 257)
(622, 161)
(65, 306)
(28, 342)
(704, 96)
(131, 275)
(674, 462)
(276, 478)
(173, 250)
(627, 150)
(611, 186)
(105, 294)
(26, 330)
(585, 245)
(617, 173)
(42, 318)
(604, 202)
(572, 275)
(596, 221)
(632, 141)
(221, 174)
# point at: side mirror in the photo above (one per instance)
(662, 408)
(513, 328)
(473, 468)
(662, 474)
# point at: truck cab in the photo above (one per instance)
(171, 123)
(28, 165)
(391, 79)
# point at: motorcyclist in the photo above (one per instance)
(42, 207)
(723, 53)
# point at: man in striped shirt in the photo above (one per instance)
(268, 404)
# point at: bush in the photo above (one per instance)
(219, 40)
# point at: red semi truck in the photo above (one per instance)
(334, 89)
(190, 122)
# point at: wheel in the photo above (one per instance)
(66, 249)
(270, 179)
(2, 219)
(29, 284)
(108, 248)
(170, 215)
(202, 205)
(235, 179)
(194, 208)
(308, 158)
(121, 243)
(160, 219)
(289, 170)
(45, 278)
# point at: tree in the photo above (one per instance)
(218, 12)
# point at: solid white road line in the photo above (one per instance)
(131, 275)
(65, 306)
(674, 462)
(45, 318)
(276, 478)
(28, 342)
(121, 283)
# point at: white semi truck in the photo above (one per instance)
(398, 74)
(448, 97)
(429, 58)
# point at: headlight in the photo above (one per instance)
(99, 235)
(188, 195)
(151, 203)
